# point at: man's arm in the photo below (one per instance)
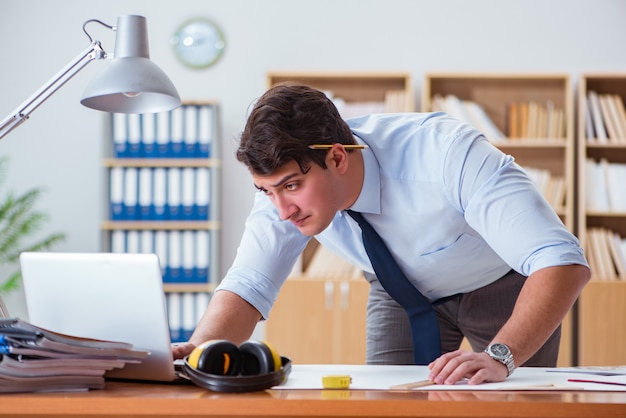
(545, 299)
(228, 317)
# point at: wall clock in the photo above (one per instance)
(198, 43)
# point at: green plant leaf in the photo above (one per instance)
(19, 222)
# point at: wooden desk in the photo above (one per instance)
(125, 399)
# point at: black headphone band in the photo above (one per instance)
(237, 384)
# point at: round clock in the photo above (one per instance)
(199, 43)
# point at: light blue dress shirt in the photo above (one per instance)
(455, 212)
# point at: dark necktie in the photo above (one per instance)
(424, 327)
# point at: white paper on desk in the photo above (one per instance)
(593, 370)
(309, 376)
(603, 380)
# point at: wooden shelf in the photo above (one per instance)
(189, 287)
(352, 87)
(612, 152)
(494, 91)
(160, 225)
(162, 162)
(602, 332)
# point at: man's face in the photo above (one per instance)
(308, 200)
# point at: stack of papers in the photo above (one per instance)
(33, 359)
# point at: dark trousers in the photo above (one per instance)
(476, 315)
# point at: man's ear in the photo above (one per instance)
(338, 158)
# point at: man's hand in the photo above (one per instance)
(180, 350)
(477, 367)
(546, 297)
(227, 317)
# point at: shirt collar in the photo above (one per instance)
(369, 198)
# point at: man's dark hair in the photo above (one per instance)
(284, 122)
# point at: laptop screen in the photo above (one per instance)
(109, 296)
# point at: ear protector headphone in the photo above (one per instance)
(221, 366)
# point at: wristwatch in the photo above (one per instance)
(502, 353)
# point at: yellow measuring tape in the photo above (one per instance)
(336, 381)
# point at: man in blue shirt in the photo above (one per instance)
(466, 225)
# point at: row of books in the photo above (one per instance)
(534, 120)
(185, 132)
(33, 359)
(184, 256)
(606, 253)
(605, 119)
(159, 193)
(467, 111)
(184, 310)
(605, 190)
(394, 101)
(528, 120)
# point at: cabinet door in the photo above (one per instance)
(301, 322)
(351, 306)
(602, 334)
(316, 321)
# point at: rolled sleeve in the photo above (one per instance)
(266, 255)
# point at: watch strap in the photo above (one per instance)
(506, 360)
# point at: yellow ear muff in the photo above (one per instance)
(195, 354)
(258, 358)
(275, 356)
(219, 357)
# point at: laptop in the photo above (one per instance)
(108, 296)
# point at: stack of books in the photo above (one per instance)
(524, 120)
(606, 253)
(604, 189)
(470, 112)
(33, 359)
(605, 118)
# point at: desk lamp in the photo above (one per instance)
(130, 83)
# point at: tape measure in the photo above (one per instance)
(336, 381)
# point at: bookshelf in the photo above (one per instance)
(357, 94)
(163, 179)
(601, 216)
(529, 116)
(329, 326)
(547, 151)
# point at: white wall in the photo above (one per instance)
(61, 148)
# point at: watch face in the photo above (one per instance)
(499, 350)
(199, 43)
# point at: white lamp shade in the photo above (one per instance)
(131, 83)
